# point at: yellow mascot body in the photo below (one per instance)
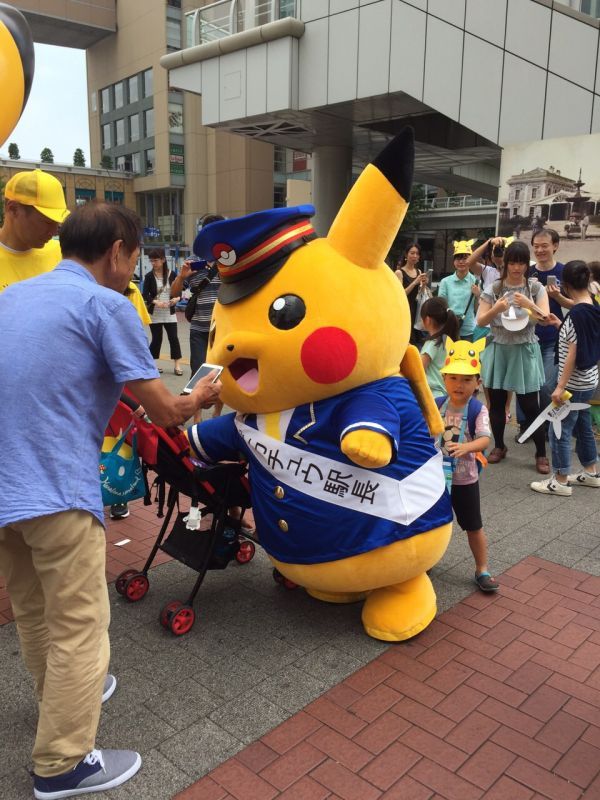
(347, 485)
(16, 67)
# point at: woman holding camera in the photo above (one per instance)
(161, 307)
(412, 279)
(513, 361)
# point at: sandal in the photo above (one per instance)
(486, 583)
(178, 371)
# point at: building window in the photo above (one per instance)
(175, 118)
(105, 100)
(114, 197)
(174, 34)
(174, 3)
(279, 196)
(83, 196)
(120, 162)
(147, 79)
(134, 90)
(136, 163)
(149, 157)
(119, 100)
(149, 122)
(119, 132)
(517, 194)
(279, 158)
(94, 101)
(534, 194)
(106, 140)
(134, 127)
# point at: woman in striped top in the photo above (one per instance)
(578, 354)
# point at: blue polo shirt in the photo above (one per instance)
(68, 347)
(457, 292)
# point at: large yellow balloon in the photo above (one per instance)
(17, 62)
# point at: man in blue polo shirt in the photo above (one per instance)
(461, 289)
(79, 343)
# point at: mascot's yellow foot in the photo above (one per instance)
(337, 597)
(395, 613)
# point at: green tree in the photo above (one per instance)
(46, 156)
(13, 151)
(106, 162)
(78, 158)
(410, 223)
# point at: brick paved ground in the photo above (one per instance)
(498, 699)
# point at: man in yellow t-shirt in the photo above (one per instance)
(34, 207)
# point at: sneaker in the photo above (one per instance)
(119, 511)
(584, 479)
(110, 684)
(552, 486)
(98, 771)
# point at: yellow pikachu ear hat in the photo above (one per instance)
(462, 358)
(463, 248)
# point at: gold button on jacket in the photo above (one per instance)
(283, 525)
(279, 493)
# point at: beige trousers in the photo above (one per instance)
(55, 572)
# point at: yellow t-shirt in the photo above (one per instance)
(16, 266)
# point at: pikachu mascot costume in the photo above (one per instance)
(347, 486)
(17, 62)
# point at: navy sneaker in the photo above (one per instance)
(119, 511)
(98, 771)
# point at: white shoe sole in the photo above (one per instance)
(109, 693)
(120, 779)
(545, 490)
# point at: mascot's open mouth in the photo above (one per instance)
(245, 374)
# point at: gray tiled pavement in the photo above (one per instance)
(259, 653)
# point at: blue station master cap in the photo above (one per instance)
(250, 250)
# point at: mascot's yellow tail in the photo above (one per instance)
(412, 368)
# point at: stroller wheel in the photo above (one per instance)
(182, 620)
(245, 552)
(122, 580)
(136, 587)
(168, 611)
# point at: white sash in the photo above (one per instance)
(348, 485)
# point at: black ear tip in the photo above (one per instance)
(396, 161)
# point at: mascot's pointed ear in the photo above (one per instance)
(450, 344)
(367, 223)
(17, 62)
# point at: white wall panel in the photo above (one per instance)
(450, 10)
(596, 115)
(210, 91)
(374, 48)
(481, 87)
(279, 76)
(343, 57)
(487, 19)
(232, 71)
(313, 49)
(422, 4)
(573, 49)
(442, 73)
(336, 6)
(256, 80)
(568, 109)
(528, 31)
(522, 108)
(313, 9)
(188, 77)
(408, 45)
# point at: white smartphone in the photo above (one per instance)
(551, 280)
(200, 373)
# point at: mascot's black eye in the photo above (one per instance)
(287, 311)
(472, 353)
(450, 352)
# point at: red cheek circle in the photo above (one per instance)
(474, 362)
(328, 355)
(447, 362)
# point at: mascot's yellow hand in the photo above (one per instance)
(367, 448)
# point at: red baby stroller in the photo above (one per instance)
(207, 537)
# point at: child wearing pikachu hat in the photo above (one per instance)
(466, 436)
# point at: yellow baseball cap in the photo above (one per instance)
(40, 190)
